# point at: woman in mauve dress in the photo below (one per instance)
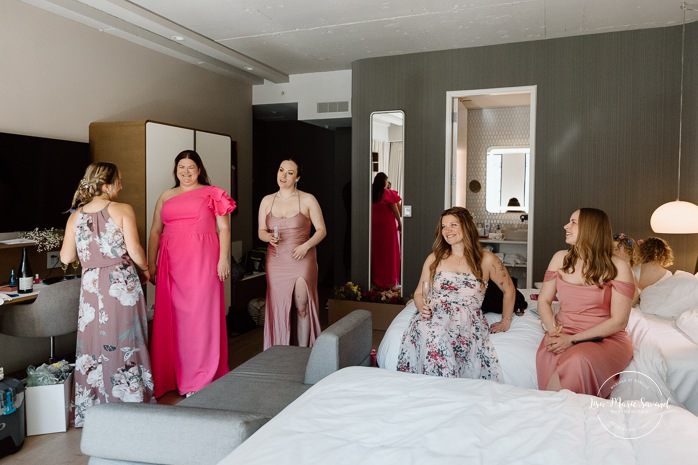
(585, 344)
(111, 359)
(291, 267)
(189, 257)
(385, 233)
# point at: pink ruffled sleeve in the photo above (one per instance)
(220, 202)
(391, 196)
(627, 289)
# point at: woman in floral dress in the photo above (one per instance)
(448, 335)
(112, 362)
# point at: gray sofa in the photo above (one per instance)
(204, 428)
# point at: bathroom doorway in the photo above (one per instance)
(495, 122)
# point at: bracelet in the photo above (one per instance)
(508, 319)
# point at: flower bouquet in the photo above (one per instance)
(46, 239)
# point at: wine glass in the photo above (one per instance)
(276, 238)
(64, 267)
(75, 264)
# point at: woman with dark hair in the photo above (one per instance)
(448, 335)
(385, 233)
(189, 258)
(585, 343)
(285, 220)
(111, 359)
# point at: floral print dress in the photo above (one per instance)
(112, 362)
(455, 342)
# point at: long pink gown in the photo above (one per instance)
(189, 348)
(585, 367)
(385, 241)
(282, 273)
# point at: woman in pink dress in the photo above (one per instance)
(285, 218)
(385, 233)
(585, 344)
(189, 257)
(111, 360)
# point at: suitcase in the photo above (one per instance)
(11, 416)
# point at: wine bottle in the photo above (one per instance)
(25, 277)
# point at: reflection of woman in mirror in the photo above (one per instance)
(291, 265)
(385, 233)
(449, 336)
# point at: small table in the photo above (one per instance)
(18, 298)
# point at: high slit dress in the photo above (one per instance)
(189, 347)
(282, 273)
(586, 368)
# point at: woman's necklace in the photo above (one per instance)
(288, 196)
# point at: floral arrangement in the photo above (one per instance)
(347, 291)
(46, 239)
(351, 291)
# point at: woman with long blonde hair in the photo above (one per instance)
(585, 343)
(448, 335)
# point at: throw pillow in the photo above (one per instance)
(672, 296)
(688, 323)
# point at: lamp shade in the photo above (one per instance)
(675, 217)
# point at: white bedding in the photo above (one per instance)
(661, 352)
(362, 415)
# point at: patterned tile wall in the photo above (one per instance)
(489, 128)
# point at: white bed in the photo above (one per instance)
(373, 416)
(662, 352)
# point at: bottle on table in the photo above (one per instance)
(13, 279)
(25, 277)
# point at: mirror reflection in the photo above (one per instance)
(387, 155)
(507, 173)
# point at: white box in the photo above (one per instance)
(48, 407)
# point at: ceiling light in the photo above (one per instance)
(178, 38)
(677, 217)
(249, 68)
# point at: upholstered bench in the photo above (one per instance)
(205, 427)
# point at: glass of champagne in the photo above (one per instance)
(276, 238)
(75, 264)
(64, 267)
(426, 293)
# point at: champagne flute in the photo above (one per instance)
(426, 292)
(64, 267)
(276, 238)
(75, 264)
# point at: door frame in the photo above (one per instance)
(452, 98)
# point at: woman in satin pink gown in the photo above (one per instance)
(291, 267)
(585, 344)
(189, 256)
(385, 233)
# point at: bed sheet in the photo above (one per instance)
(373, 416)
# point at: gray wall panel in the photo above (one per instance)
(607, 132)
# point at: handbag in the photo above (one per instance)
(494, 299)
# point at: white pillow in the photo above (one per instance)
(672, 296)
(688, 323)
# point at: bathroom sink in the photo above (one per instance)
(520, 234)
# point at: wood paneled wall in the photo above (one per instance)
(606, 132)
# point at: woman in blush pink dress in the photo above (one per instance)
(585, 344)
(291, 265)
(385, 233)
(189, 255)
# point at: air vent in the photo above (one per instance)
(332, 107)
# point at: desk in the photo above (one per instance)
(24, 297)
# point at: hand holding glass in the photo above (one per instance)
(276, 238)
(426, 294)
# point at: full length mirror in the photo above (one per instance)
(508, 170)
(385, 197)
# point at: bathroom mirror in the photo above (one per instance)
(508, 170)
(385, 198)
